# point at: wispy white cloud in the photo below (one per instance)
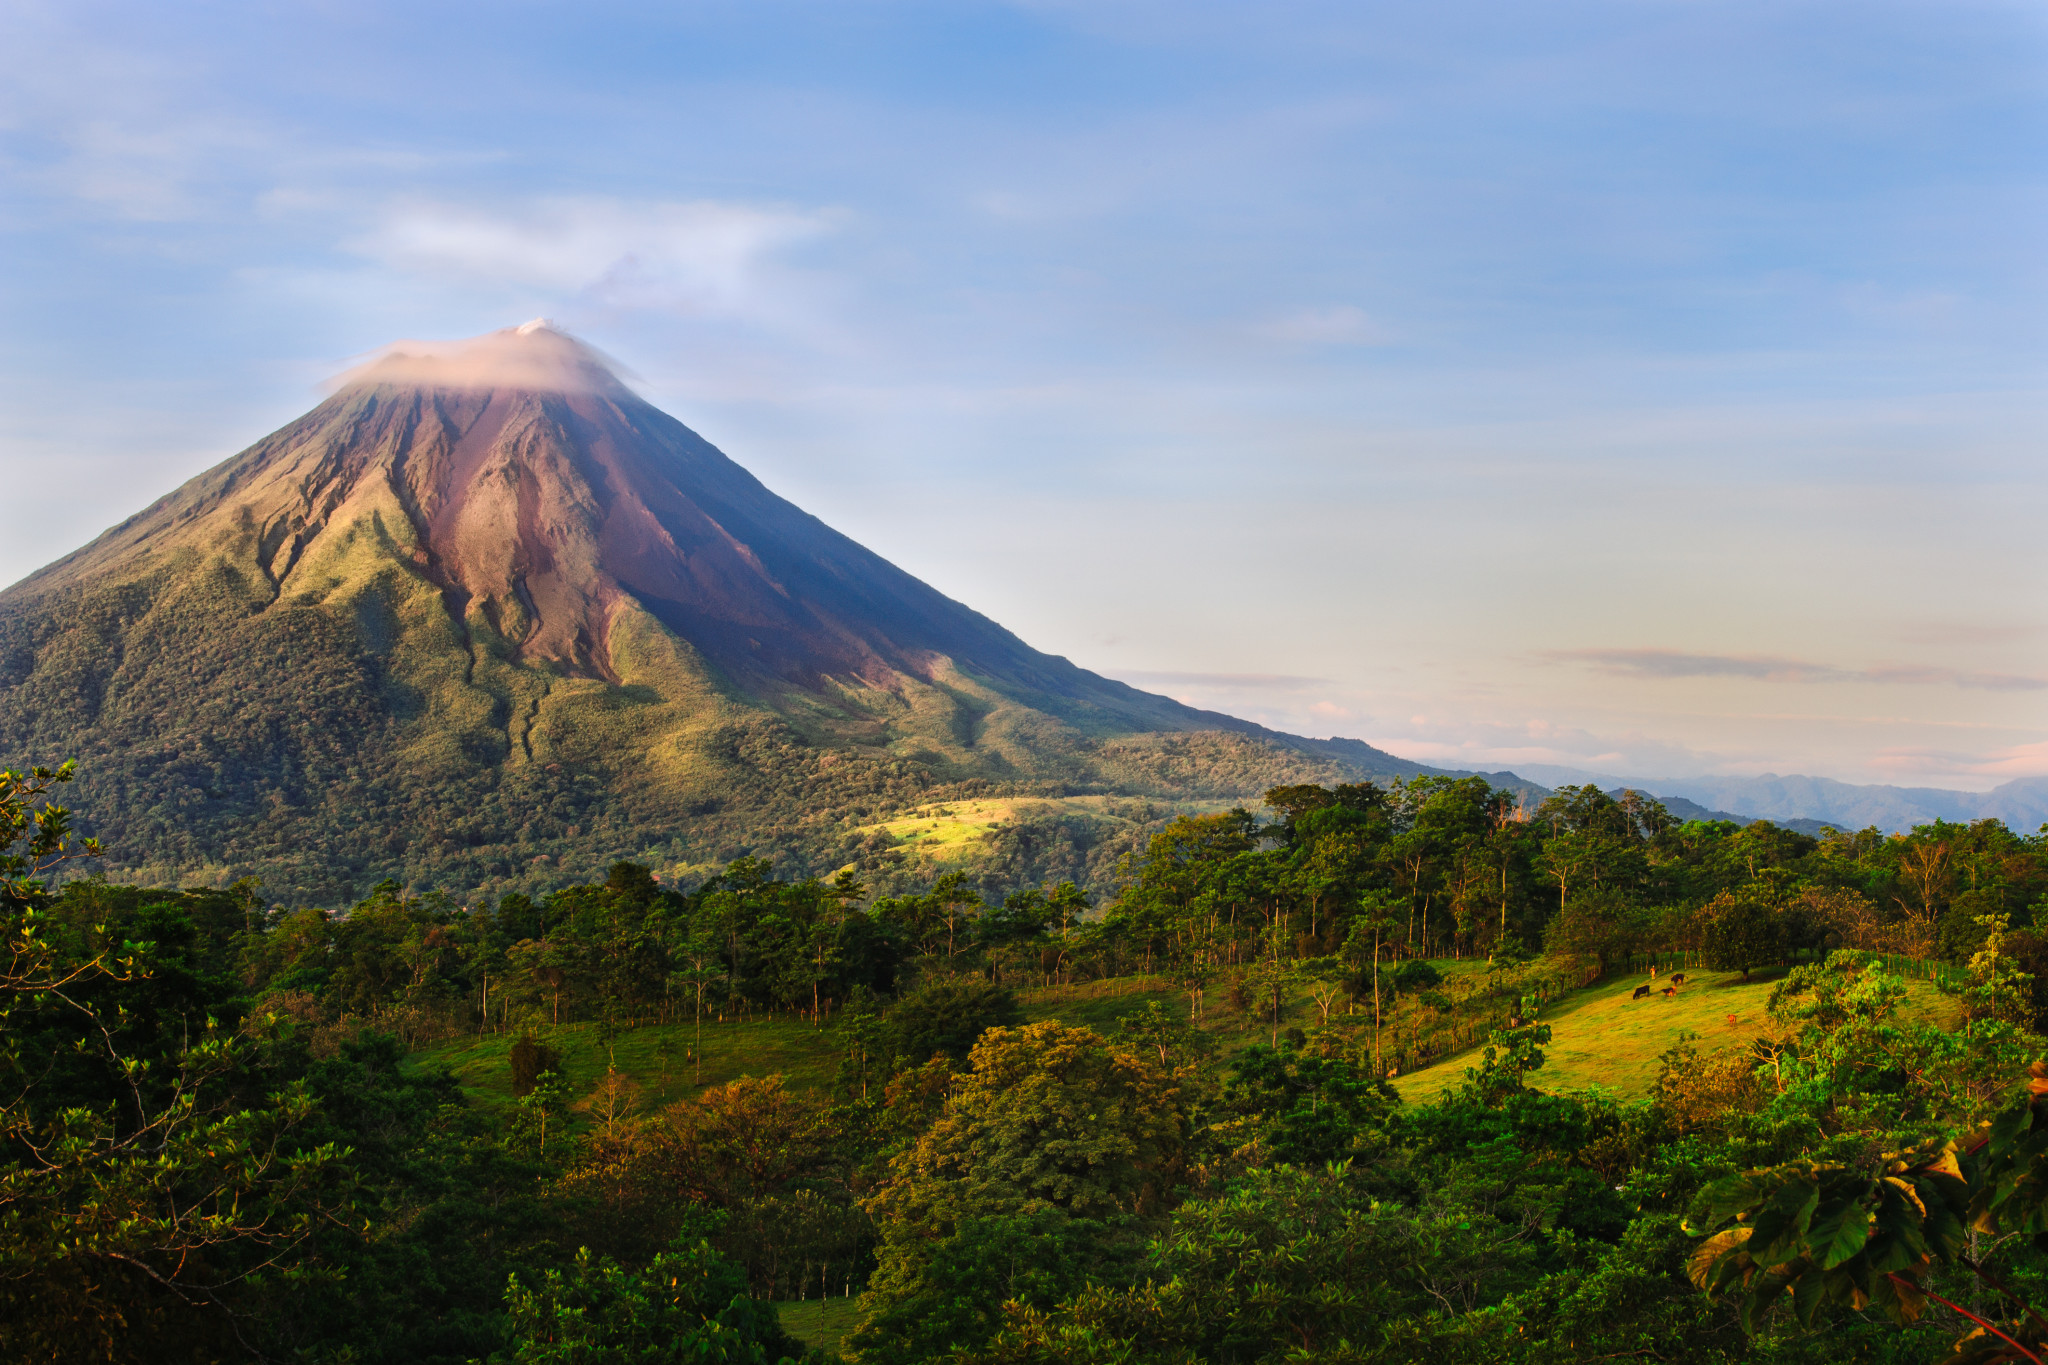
(1454, 741)
(2018, 760)
(706, 257)
(1673, 663)
(1251, 682)
(1339, 324)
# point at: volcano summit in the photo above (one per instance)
(484, 617)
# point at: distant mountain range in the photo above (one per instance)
(2022, 803)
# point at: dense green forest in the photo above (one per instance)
(1165, 1126)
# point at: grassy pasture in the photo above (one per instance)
(807, 1057)
(1600, 1036)
(954, 832)
(821, 1324)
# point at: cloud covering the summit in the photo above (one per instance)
(534, 355)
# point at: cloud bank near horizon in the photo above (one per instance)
(1675, 663)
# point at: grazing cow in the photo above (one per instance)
(1668, 992)
(1678, 978)
(1641, 991)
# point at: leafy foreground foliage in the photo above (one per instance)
(222, 1140)
(1874, 1233)
(686, 1304)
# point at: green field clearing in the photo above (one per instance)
(1599, 1036)
(806, 1056)
(819, 1323)
(954, 831)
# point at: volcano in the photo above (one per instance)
(485, 617)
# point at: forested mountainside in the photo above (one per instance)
(495, 628)
(1362, 1074)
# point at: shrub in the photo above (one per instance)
(530, 1059)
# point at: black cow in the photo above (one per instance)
(1641, 991)
(1678, 978)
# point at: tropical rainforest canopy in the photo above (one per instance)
(1281, 1094)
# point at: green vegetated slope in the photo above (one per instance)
(657, 1057)
(820, 1323)
(1602, 1036)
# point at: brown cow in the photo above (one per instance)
(1678, 978)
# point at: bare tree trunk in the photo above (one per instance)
(1378, 1064)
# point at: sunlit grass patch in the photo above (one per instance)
(1603, 1036)
(953, 832)
(822, 1324)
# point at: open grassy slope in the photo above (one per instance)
(940, 836)
(822, 1324)
(1600, 1036)
(656, 1057)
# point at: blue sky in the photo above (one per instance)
(1650, 387)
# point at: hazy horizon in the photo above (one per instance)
(1630, 389)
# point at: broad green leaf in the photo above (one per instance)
(1700, 1269)
(1942, 1164)
(1781, 1226)
(1944, 1232)
(1809, 1291)
(1732, 1195)
(1904, 1190)
(2007, 1127)
(1900, 1299)
(1838, 1232)
(1898, 1219)
(1769, 1286)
